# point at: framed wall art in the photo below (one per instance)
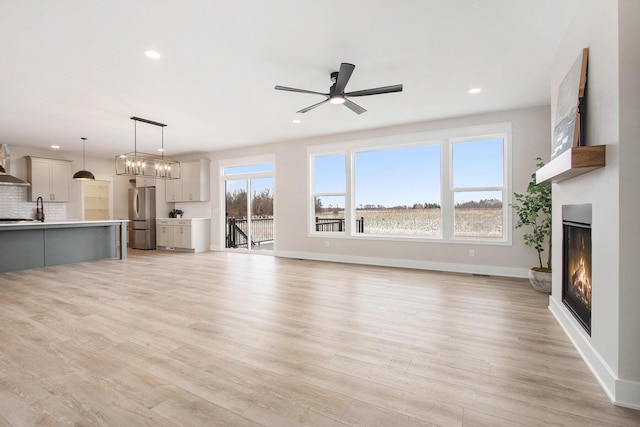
(569, 127)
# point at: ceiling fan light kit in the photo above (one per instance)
(337, 95)
(147, 165)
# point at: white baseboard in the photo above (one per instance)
(621, 392)
(490, 270)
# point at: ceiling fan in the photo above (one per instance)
(337, 95)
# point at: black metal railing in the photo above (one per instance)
(337, 224)
(261, 231)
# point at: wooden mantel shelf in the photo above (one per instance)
(573, 162)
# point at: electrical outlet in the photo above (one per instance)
(326, 243)
(472, 252)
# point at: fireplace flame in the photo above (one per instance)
(580, 280)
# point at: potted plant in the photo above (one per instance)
(176, 213)
(534, 210)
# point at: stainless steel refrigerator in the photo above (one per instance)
(142, 218)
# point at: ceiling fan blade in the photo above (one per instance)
(343, 76)
(304, 110)
(292, 89)
(354, 107)
(376, 91)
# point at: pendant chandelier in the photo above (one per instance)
(84, 174)
(147, 165)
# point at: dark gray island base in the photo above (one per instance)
(40, 244)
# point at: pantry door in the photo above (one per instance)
(96, 200)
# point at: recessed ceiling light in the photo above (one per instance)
(55, 147)
(475, 90)
(296, 121)
(152, 54)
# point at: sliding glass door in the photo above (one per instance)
(248, 216)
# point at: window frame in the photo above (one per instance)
(446, 139)
(353, 152)
(312, 194)
(504, 189)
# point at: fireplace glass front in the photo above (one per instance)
(576, 269)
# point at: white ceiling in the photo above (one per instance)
(71, 69)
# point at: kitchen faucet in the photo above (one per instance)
(39, 209)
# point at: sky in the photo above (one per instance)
(257, 184)
(398, 177)
(412, 175)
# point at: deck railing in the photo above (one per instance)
(262, 229)
(337, 224)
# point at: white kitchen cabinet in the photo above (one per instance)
(49, 179)
(184, 234)
(145, 182)
(193, 185)
(164, 233)
(195, 181)
(173, 190)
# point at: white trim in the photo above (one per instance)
(620, 392)
(350, 191)
(311, 194)
(234, 162)
(405, 263)
(445, 139)
(502, 131)
(329, 195)
(246, 161)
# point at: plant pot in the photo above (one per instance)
(540, 280)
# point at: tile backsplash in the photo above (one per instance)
(195, 209)
(14, 204)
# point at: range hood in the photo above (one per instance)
(5, 161)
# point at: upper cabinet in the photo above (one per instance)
(173, 190)
(49, 179)
(145, 182)
(193, 185)
(195, 181)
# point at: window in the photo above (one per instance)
(329, 193)
(397, 191)
(478, 181)
(449, 185)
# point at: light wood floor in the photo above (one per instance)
(235, 339)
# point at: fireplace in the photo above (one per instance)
(576, 262)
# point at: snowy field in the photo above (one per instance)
(427, 222)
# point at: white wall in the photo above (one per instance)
(629, 76)
(530, 140)
(609, 30)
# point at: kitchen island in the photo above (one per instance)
(35, 244)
